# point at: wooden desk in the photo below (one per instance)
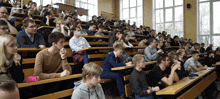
(104, 48)
(29, 49)
(21, 85)
(176, 47)
(185, 82)
(128, 67)
(46, 27)
(18, 14)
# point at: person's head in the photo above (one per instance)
(67, 19)
(29, 2)
(173, 56)
(138, 61)
(164, 33)
(60, 15)
(92, 27)
(4, 29)
(100, 28)
(196, 46)
(125, 30)
(48, 14)
(160, 43)
(18, 4)
(118, 49)
(148, 29)
(94, 18)
(168, 39)
(8, 88)
(164, 60)
(33, 5)
(181, 53)
(176, 38)
(3, 12)
(152, 42)
(188, 44)
(161, 38)
(117, 35)
(91, 73)
(195, 55)
(29, 11)
(59, 23)
(49, 7)
(8, 47)
(30, 26)
(40, 7)
(125, 38)
(202, 44)
(57, 40)
(152, 32)
(210, 45)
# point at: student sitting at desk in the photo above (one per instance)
(151, 52)
(28, 14)
(3, 28)
(112, 60)
(29, 36)
(68, 21)
(117, 35)
(17, 8)
(60, 27)
(76, 43)
(194, 63)
(209, 59)
(126, 38)
(10, 60)
(142, 43)
(89, 31)
(3, 16)
(47, 20)
(52, 62)
(138, 80)
(161, 77)
(89, 87)
(196, 47)
(100, 30)
(34, 7)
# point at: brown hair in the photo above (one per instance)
(27, 21)
(91, 69)
(137, 58)
(7, 83)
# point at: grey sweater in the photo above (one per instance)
(83, 92)
(150, 54)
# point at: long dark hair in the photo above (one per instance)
(114, 38)
(123, 37)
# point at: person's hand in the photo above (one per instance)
(62, 25)
(155, 89)
(175, 66)
(71, 27)
(128, 63)
(17, 58)
(42, 46)
(205, 67)
(120, 36)
(65, 73)
(66, 27)
(160, 51)
(63, 53)
(4, 19)
(189, 69)
(47, 17)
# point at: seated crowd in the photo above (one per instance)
(51, 62)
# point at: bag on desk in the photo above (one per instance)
(78, 56)
(32, 79)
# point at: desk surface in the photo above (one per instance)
(104, 48)
(128, 67)
(46, 27)
(185, 82)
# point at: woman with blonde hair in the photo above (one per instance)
(89, 87)
(60, 27)
(9, 59)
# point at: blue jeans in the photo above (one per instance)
(117, 77)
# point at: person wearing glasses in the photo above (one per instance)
(29, 36)
(3, 16)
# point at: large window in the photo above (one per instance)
(208, 22)
(45, 2)
(168, 16)
(132, 10)
(91, 5)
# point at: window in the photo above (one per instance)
(168, 16)
(208, 26)
(45, 2)
(91, 5)
(132, 10)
